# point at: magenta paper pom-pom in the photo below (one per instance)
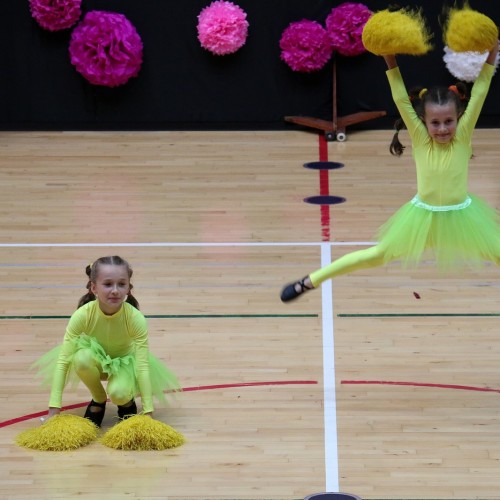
(305, 46)
(222, 27)
(106, 48)
(54, 15)
(345, 25)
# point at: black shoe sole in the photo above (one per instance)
(289, 293)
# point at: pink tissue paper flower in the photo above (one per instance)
(305, 46)
(345, 26)
(55, 15)
(106, 49)
(222, 27)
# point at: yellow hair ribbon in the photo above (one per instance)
(422, 93)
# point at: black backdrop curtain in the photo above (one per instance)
(181, 86)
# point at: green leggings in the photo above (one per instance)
(88, 369)
(360, 259)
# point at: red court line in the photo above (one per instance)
(249, 384)
(324, 187)
(421, 384)
(323, 148)
(185, 389)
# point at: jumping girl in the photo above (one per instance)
(458, 226)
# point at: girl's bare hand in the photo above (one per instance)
(51, 413)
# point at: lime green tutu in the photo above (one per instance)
(163, 382)
(455, 238)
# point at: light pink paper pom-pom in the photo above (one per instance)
(55, 15)
(222, 27)
(305, 46)
(345, 26)
(106, 49)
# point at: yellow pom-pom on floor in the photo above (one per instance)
(59, 433)
(141, 432)
(400, 31)
(467, 30)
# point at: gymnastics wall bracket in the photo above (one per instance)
(336, 129)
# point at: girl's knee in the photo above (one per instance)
(120, 399)
(119, 395)
(83, 360)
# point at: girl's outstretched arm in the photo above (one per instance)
(391, 61)
(492, 56)
(479, 91)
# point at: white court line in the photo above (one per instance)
(195, 244)
(329, 395)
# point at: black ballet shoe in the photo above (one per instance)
(127, 411)
(290, 291)
(95, 416)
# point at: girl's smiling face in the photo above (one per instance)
(441, 121)
(111, 287)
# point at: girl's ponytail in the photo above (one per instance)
(131, 299)
(89, 296)
(396, 148)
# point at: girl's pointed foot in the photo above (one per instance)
(294, 290)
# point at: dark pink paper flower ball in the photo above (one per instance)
(305, 46)
(345, 26)
(55, 15)
(106, 49)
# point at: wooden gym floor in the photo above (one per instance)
(384, 383)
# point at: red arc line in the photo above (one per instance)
(185, 389)
(421, 384)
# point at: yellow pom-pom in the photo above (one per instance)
(141, 432)
(467, 30)
(59, 433)
(396, 32)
